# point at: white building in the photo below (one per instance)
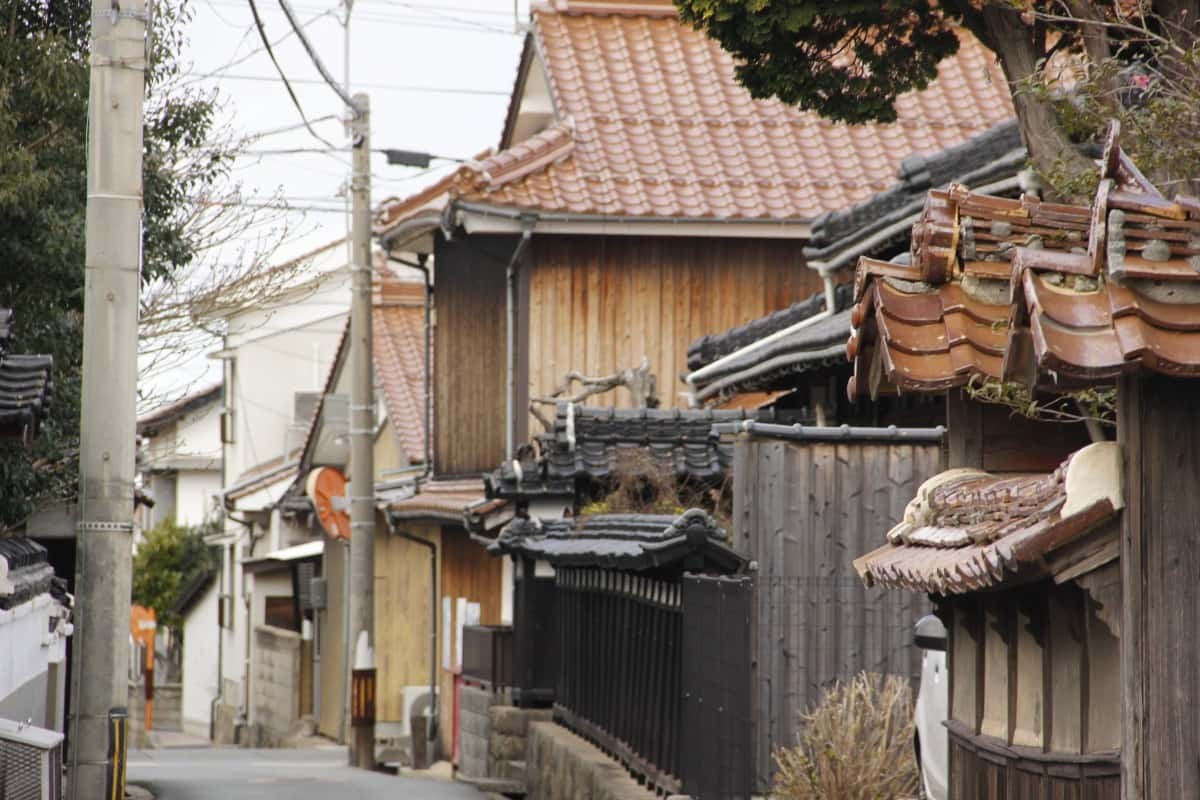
(275, 360)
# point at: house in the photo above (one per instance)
(638, 198)
(35, 608)
(180, 459)
(1053, 582)
(274, 357)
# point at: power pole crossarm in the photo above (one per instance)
(362, 442)
(113, 238)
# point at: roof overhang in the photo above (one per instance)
(286, 556)
(482, 218)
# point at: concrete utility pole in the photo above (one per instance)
(100, 671)
(362, 441)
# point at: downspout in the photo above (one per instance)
(432, 730)
(830, 310)
(510, 281)
(345, 698)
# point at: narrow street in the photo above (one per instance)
(237, 774)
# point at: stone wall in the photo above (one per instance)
(168, 709)
(275, 685)
(491, 739)
(563, 766)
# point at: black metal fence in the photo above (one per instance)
(620, 677)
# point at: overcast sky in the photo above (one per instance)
(439, 76)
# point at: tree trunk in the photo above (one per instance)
(1002, 30)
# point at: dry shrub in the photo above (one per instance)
(856, 745)
(643, 484)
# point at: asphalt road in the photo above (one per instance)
(237, 774)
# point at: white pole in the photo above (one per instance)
(107, 432)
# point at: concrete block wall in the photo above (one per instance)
(275, 685)
(563, 766)
(168, 708)
(474, 730)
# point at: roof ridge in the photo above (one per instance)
(624, 8)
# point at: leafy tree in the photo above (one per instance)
(850, 60)
(43, 133)
(169, 559)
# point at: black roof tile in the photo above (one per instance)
(622, 541)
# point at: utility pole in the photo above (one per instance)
(362, 440)
(100, 669)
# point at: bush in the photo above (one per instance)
(169, 558)
(856, 745)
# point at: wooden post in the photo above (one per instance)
(1160, 576)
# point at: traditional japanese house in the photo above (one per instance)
(1062, 649)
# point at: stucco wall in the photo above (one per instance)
(200, 664)
(25, 675)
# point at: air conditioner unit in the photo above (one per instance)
(416, 701)
(30, 762)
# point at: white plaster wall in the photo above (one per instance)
(278, 352)
(28, 648)
(194, 493)
(200, 652)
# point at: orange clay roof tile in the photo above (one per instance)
(651, 123)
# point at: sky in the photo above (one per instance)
(439, 76)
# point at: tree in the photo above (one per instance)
(190, 210)
(169, 559)
(850, 60)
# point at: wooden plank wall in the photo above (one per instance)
(469, 354)
(803, 512)
(466, 571)
(598, 304)
(332, 641)
(1160, 565)
(402, 617)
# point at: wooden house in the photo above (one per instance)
(639, 198)
(1070, 591)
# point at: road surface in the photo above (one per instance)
(312, 774)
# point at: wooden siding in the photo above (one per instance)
(466, 571)
(469, 354)
(598, 304)
(804, 512)
(402, 618)
(1160, 563)
(332, 641)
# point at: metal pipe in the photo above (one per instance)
(345, 639)
(433, 622)
(841, 433)
(510, 275)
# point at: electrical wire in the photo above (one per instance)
(316, 60)
(386, 87)
(262, 34)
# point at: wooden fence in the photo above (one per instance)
(803, 510)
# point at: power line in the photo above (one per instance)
(262, 34)
(316, 60)
(386, 87)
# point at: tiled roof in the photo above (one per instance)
(767, 365)
(621, 541)
(459, 502)
(262, 475)
(1053, 296)
(650, 123)
(24, 571)
(595, 444)
(399, 352)
(26, 386)
(967, 530)
(166, 414)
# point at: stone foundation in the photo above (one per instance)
(563, 766)
(492, 739)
